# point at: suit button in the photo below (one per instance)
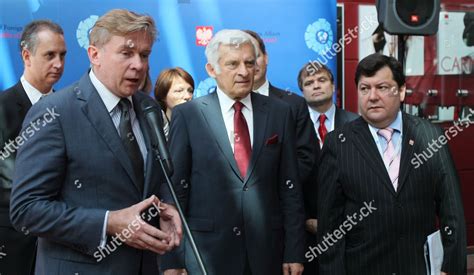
(399, 205)
(246, 188)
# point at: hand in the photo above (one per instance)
(127, 225)
(292, 269)
(311, 226)
(170, 223)
(175, 272)
(444, 273)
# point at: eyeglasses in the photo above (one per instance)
(383, 89)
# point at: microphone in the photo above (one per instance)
(154, 120)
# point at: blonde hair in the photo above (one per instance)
(121, 23)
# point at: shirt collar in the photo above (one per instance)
(110, 99)
(33, 94)
(264, 89)
(396, 125)
(227, 103)
(329, 113)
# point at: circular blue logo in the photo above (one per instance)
(82, 32)
(205, 87)
(319, 36)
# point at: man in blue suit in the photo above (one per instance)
(236, 172)
(85, 172)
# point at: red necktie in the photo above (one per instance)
(322, 128)
(242, 149)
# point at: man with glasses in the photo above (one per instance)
(376, 208)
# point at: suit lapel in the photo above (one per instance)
(211, 111)
(409, 127)
(23, 102)
(94, 109)
(260, 114)
(364, 142)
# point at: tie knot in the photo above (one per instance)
(124, 104)
(322, 118)
(386, 133)
(238, 106)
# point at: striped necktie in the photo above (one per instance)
(391, 158)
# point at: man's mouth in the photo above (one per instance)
(133, 80)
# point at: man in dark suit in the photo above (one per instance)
(86, 182)
(316, 82)
(307, 151)
(306, 146)
(376, 208)
(42, 50)
(236, 172)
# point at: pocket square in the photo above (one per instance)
(272, 140)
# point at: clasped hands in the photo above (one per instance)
(143, 235)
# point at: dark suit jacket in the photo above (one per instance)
(68, 173)
(307, 150)
(341, 117)
(14, 104)
(20, 248)
(260, 217)
(390, 239)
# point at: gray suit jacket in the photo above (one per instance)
(258, 218)
(388, 239)
(69, 171)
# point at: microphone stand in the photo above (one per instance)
(180, 211)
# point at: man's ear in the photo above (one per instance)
(265, 58)
(93, 53)
(26, 55)
(210, 70)
(402, 91)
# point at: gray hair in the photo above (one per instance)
(231, 37)
(29, 36)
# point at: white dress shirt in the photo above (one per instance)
(33, 94)
(227, 110)
(329, 123)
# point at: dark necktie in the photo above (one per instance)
(242, 148)
(129, 140)
(322, 128)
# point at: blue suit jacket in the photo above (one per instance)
(71, 168)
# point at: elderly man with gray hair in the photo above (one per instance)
(86, 182)
(235, 172)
